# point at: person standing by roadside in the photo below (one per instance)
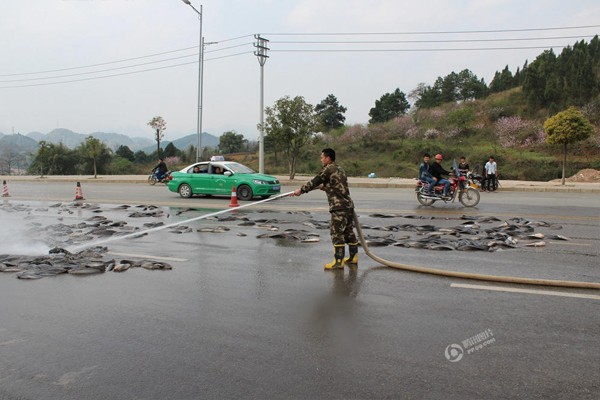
(424, 174)
(491, 174)
(463, 166)
(333, 180)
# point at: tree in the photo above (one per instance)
(126, 153)
(96, 153)
(141, 157)
(292, 124)
(232, 142)
(171, 151)
(565, 128)
(390, 105)
(330, 113)
(159, 125)
(9, 158)
(42, 155)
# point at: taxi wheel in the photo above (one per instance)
(185, 191)
(244, 192)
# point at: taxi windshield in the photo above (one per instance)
(239, 168)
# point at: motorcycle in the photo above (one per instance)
(153, 179)
(474, 180)
(459, 187)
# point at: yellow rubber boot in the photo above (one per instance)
(338, 257)
(353, 254)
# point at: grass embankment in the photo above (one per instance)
(472, 129)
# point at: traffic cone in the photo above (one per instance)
(78, 192)
(5, 190)
(234, 202)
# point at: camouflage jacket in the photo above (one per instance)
(335, 183)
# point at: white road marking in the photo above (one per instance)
(146, 256)
(516, 290)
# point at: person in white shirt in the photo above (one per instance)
(491, 174)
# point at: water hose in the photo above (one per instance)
(465, 275)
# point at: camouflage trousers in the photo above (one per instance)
(341, 227)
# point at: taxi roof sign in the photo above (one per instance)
(217, 158)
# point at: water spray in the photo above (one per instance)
(158, 228)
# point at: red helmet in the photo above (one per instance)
(438, 156)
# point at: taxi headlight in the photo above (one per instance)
(259, 182)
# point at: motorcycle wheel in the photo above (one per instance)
(424, 201)
(469, 197)
(151, 180)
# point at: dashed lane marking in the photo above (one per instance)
(530, 291)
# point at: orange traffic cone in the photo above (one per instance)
(5, 190)
(78, 192)
(234, 202)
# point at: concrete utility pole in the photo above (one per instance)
(261, 54)
(200, 54)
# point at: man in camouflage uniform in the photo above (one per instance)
(333, 180)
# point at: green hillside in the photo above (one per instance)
(459, 115)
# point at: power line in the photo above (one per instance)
(431, 41)
(118, 68)
(431, 32)
(121, 74)
(409, 50)
(128, 59)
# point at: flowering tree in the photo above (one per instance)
(401, 128)
(515, 132)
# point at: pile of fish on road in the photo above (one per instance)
(60, 261)
(86, 262)
(506, 235)
(468, 236)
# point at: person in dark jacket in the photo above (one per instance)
(333, 180)
(424, 174)
(160, 169)
(463, 166)
(437, 171)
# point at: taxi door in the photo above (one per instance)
(201, 183)
(222, 183)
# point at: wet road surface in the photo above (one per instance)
(242, 317)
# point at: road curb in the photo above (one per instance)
(379, 183)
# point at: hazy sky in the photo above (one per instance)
(65, 35)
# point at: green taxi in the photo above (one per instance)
(219, 177)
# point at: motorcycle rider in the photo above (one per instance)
(437, 171)
(424, 174)
(161, 169)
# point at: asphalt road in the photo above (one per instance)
(243, 317)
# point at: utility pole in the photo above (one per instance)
(200, 64)
(261, 54)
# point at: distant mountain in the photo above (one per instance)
(37, 136)
(207, 140)
(115, 140)
(64, 136)
(112, 140)
(18, 142)
(184, 142)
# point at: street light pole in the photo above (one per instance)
(261, 53)
(200, 65)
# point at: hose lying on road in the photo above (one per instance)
(465, 275)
